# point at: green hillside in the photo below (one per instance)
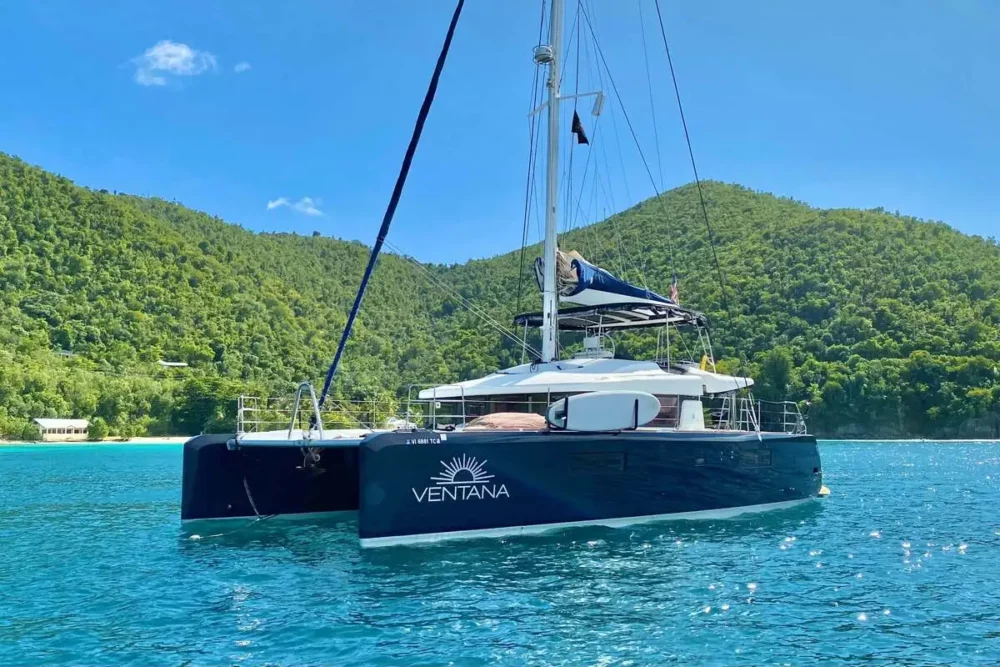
(886, 325)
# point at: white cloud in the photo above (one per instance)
(241, 67)
(306, 205)
(146, 78)
(168, 57)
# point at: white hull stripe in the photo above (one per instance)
(506, 531)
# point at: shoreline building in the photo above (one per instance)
(62, 430)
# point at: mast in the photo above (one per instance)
(550, 298)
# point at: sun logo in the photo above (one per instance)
(465, 470)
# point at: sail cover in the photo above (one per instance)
(579, 281)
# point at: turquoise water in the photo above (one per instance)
(901, 565)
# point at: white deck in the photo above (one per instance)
(346, 437)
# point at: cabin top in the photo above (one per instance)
(586, 375)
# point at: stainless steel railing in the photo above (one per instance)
(743, 413)
(256, 414)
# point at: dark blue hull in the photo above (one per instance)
(422, 485)
(221, 483)
(425, 486)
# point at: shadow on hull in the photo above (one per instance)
(224, 483)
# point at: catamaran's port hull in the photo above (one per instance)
(224, 483)
(426, 486)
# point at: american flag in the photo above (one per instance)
(673, 290)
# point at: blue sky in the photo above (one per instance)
(853, 103)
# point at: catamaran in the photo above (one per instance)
(561, 440)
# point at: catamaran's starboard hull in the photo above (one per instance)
(426, 486)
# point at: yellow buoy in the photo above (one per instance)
(824, 491)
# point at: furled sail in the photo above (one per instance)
(578, 281)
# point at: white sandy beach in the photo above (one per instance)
(168, 440)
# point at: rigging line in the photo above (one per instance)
(622, 242)
(397, 193)
(609, 200)
(528, 188)
(621, 162)
(565, 54)
(473, 308)
(687, 349)
(605, 184)
(616, 245)
(618, 145)
(609, 193)
(572, 143)
(649, 86)
(583, 182)
(576, 84)
(641, 266)
(621, 249)
(537, 203)
(624, 259)
(595, 145)
(440, 284)
(534, 185)
(697, 181)
(529, 184)
(571, 148)
(635, 138)
(572, 217)
(576, 98)
(694, 166)
(614, 123)
(599, 253)
(618, 96)
(599, 145)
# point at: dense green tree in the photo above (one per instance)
(881, 324)
(775, 374)
(206, 404)
(98, 429)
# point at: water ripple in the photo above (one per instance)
(896, 567)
